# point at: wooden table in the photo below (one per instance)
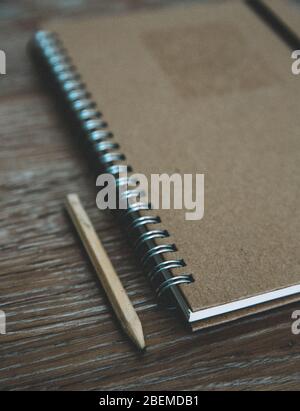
(61, 333)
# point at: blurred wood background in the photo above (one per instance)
(61, 333)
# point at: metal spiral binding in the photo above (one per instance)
(49, 51)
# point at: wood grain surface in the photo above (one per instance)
(61, 333)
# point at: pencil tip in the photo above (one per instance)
(143, 347)
(140, 343)
(143, 350)
(135, 332)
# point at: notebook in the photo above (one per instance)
(205, 89)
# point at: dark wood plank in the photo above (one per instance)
(61, 333)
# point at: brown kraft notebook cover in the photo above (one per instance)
(207, 89)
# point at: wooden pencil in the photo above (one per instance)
(108, 277)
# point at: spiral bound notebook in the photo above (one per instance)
(197, 89)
